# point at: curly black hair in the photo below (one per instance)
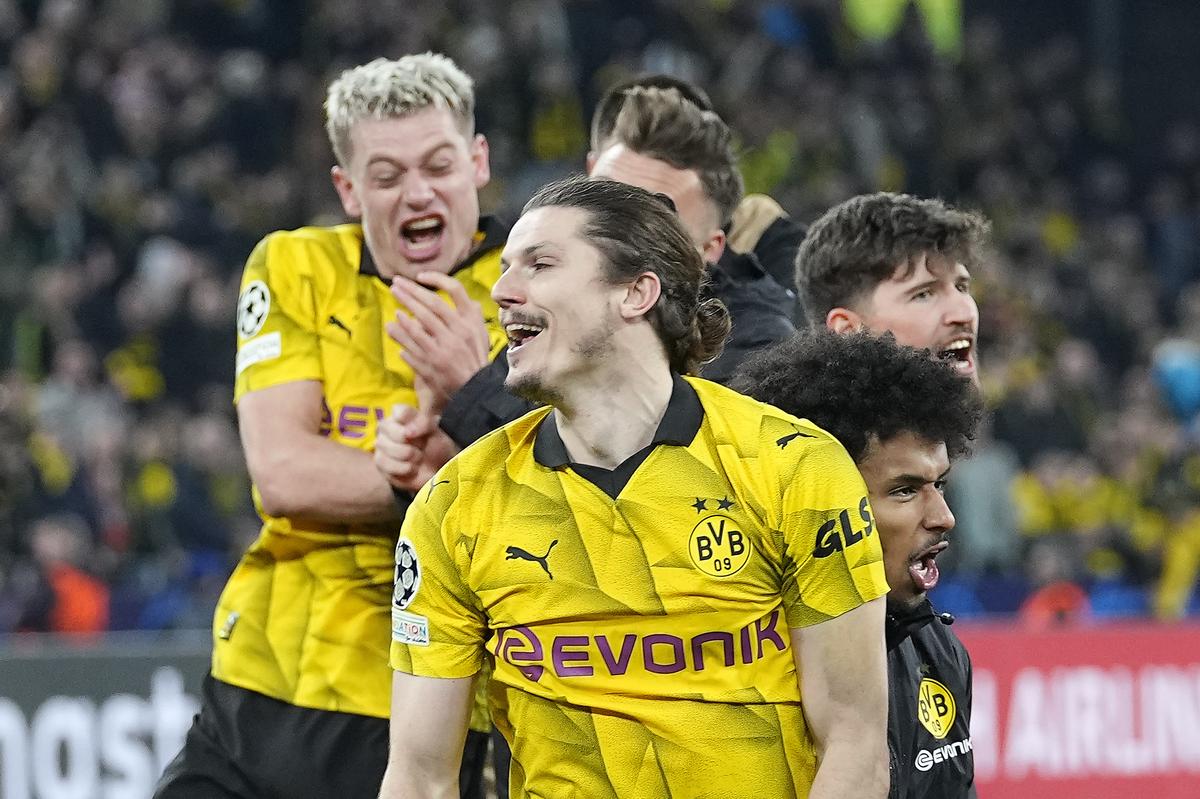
(862, 388)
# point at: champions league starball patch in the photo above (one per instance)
(253, 307)
(408, 574)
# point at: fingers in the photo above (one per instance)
(436, 327)
(425, 304)
(395, 456)
(465, 309)
(414, 340)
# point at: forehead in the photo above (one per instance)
(623, 165)
(410, 136)
(905, 453)
(928, 266)
(551, 227)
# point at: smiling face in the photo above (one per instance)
(414, 182)
(930, 307)
(560, 311)
(905, 478)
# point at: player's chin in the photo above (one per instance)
(529, 385)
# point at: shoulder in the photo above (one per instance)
(313, 248)
(478, 462)
(757, 428)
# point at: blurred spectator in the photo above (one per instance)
(146, 146)
(61, 597)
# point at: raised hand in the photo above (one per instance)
(445, 345)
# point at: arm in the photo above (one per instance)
(842, 670)
(299, 472)
(428, 731)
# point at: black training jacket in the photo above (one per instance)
(929, 707)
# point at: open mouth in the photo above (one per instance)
(520, 333)
(959, 354)
(422, 237)
(923, 567)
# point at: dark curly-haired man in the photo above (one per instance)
(903, 417)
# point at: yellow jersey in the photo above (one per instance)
(638, 620)
(304, 616)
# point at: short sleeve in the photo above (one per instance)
(833, 561)
(277, 334)
(438, 626)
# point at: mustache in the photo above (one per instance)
(519, 318)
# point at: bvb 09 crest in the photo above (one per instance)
(935, 708)
(718, 547)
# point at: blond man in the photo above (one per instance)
(298, 698)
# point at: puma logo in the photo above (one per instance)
(516, 553)
(333, 320)
(783, 442)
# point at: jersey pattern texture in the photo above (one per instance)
(304, 616)
(641, 643)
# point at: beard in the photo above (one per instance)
(589, 350)
(532, 388)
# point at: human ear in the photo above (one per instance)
(641, 295)
(843, 320)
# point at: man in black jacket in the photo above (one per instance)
(898, 264)
(758, 226)
(903, 417)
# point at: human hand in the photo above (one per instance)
(410, 447)
(445, 345)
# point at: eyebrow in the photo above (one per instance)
(432, 151)
(529, 252)
(909, 479)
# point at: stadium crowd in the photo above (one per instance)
(146, 146)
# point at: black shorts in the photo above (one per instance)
(246, 745)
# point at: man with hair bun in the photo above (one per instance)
(299, 694)
(679, 587)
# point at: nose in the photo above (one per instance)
(418, 192)
(507, 291)
(938, 516)
(961, 310)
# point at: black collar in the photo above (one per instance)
(903, 622)
(679, 426)
(493, 232)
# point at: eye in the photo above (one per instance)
(384, 179)
(903, 492)
(923, 294)
(439, 168)
(940, 485)
(538, 266)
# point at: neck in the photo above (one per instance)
(607, 418)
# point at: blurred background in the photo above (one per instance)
(146, 145)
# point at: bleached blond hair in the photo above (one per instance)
(386, 89)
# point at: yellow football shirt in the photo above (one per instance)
(640, 630)
(303, 618)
